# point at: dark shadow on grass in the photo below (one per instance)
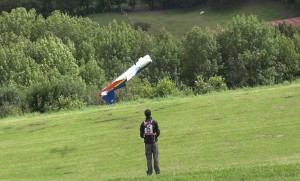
(62, 151)
(35, 124)
(33, 127)
(128, 125)
(7, 128)
(62, 170)
(169, 106)
(158, 109)
(38, 129)
(113, 119)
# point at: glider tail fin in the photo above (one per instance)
(110, 97)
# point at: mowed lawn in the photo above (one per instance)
(234, 135)
(180, 21)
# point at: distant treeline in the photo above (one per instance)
(83, 7)
(62, 62)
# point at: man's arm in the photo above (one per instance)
(157, 129)
(142, 130)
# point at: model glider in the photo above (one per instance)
(108, 93)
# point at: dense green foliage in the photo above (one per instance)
(249, 52)
(61, 62)
(200, 55)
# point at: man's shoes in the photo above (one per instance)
(150, 173)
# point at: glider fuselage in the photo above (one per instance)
(108, 92)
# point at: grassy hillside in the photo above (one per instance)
(180, 21)
(235, 135)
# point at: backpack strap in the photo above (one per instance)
(147, 122)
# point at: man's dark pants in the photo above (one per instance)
(152, 149)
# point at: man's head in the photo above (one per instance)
(147, 113)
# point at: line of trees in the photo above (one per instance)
(83, 7)
(72, 7)
(62, 62)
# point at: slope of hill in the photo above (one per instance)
(235, 135)
(179, 22)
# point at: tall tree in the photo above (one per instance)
(151, 3)
(200, 55)
(167, 57)
(249, 50)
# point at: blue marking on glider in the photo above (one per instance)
(121, 85)
(137, 70)
(141, 68)
(110, 97)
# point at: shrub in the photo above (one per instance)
(287, 30)
(166, 87)
(10, 94)
(186, 90)
(65, 103)
(137, 88)
(201, 87)
(10, 100)
(142, 25)
(55, 94)
(215, 83)
(91, 95)
(7, 109)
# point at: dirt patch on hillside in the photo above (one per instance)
(291, 21)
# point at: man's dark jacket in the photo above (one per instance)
(149, 139)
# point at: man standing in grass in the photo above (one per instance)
(149, 130)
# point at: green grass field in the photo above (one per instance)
(180, 21)
(249, 134)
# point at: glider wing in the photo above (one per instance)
(108, 93)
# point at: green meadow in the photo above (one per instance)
(178, 22)
(246, 134)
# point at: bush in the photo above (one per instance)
(91, 95)
(137, 88)
(9, 110)
(186, 90)
(63, 93)
(38, 96)
(10, 100)
(142, 25)
(166, 87)
(287, 30)
(10, 94)
(215, 83)
(201, 87)
(65, 103)
(288, 59)
(143, 88)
